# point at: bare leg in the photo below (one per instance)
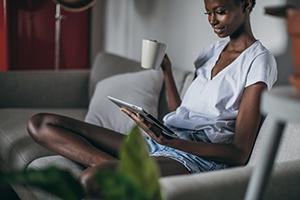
(85, 143)
(92, 146)
(166, 166)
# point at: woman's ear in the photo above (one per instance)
(247, 6)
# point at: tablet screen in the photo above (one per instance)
(165, 130)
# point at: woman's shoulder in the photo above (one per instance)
(258, 53)
(262, 66)
(259, 49)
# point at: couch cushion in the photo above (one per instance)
(183, 80)
(57, 161)
(290, 144)
(140, 88)
(27, 192)
(17, 148)
(289, 148)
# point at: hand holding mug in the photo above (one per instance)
(166, 64)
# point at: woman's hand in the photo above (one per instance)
(173, 97)
(153, 132)
(166, 64)
(139, 120)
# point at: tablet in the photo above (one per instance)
(150, 118)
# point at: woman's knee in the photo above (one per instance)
(36, 124)
(89, 174)
(88, 177)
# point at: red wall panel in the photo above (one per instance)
(32, 30)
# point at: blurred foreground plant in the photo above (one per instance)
(136, 178)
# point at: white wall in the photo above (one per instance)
(181, 24)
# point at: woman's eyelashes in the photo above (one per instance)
(218, 11)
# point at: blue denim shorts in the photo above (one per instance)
(193, 163)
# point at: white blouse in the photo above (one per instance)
(212, 104)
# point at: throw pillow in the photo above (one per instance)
(140, 88)
(107, 65)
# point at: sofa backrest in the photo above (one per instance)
(289, 148)
(106, 65)
(41, 88)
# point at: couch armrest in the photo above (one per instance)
(232, 184)
(33, 89)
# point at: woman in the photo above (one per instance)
(217, 121)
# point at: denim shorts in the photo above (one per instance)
(193, 163)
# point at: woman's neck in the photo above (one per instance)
(241, 43)
(242, 38)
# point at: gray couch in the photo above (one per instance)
(25, 93)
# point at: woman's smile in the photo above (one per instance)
(219, 30)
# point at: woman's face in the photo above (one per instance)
(225, 16)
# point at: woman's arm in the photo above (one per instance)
(173, 97)
(247, 125)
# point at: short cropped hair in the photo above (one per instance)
(242, 1)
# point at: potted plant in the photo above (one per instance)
(136, 177)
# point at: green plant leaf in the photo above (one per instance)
(136, 163)
(53, 180)
(117, 186)
(136, 179)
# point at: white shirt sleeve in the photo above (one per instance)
(263, 69)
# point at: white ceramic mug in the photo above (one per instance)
(153, 53)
